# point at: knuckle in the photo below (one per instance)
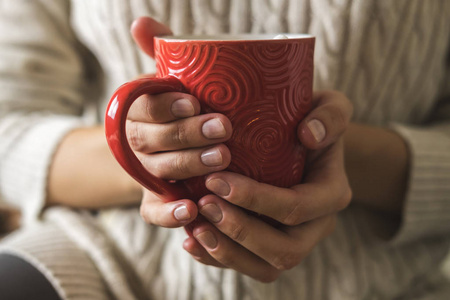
(225, 258)
(134, 136)
(238, 232)
(245, 198)
(168, 168)
(202, 259)
(346, 199)
(339, 118)
(148, 106)
(143, 213)
(149, 162)
(180, 135)
(347, 105)
(286, 260)
(180, 164)
(270, 276)
(294, 215)
(336, 94)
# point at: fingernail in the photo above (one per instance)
(211, 157)
(212, 212)
(207, 239)
(218, 187)
(317, 129)
(213, 129)
(181, 213)
(182, 108)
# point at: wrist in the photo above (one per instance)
(376, 161)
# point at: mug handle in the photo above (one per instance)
(115, 121)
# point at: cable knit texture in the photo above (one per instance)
(390, 57)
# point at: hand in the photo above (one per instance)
(380, 187)
(381, 184)
(241, 241)
(238, 240)
(172, 140)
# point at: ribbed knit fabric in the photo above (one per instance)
(425, 211)
(70, 270)
(389, 57)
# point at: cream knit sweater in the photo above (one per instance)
(59, 59)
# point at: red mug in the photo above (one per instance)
(262, 83)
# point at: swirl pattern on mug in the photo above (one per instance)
(292, 64)
(233, 83)
(276, 157)
(190, 64)
(264, 88)
(302, 90)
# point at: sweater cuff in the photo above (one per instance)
(25, 169)
(70, 271)
(426, 211)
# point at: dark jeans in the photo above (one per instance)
(19, 280)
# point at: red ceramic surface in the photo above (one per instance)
(264, 86)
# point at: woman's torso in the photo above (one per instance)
(387, 56)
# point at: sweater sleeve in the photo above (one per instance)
(43, 84)
(427, 205)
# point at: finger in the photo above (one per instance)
(326, 188)
(281, 249)
(266, 242)
(192, 132)
(178, 165)
(247, 193)
(324, 191)
(163, 108)
(144, 29)
(327, 121)
(314, 230)
(196, 250)
(167, 214)
(232, 255)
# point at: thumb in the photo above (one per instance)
(327, 121)
(144, 29)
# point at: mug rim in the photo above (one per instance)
(226, 37)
